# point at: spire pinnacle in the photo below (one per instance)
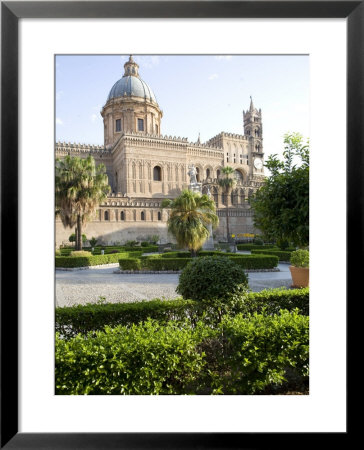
(251, 104)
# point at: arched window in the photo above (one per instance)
(106, 215)
(157, 173)
(207, 173)
(159, 215)
(239, 176)
(218, 173)
(197, 174)
(122, 215)
(142, 215)
(116, 214)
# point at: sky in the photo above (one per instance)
(199, 94)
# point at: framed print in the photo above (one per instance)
(32, 33)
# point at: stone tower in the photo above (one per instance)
(253, 129)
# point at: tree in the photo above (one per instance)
(191, 213)
(227, 183)
(80, 186)
(281, 205)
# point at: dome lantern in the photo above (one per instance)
(131, 68)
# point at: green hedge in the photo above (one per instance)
(144, 359)
(84, 261)
(153, 263)
(240, 356)
(282, 255)
(72, 320)
(162, 262)
(248, 247)
(176, 255)
(256, 261)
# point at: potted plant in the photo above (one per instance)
(299, 268)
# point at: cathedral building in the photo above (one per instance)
(144, 167)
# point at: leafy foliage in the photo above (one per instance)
(143, 359)
(242, 355)
(281, 205)
(212, 278)
(72, 320)
(300, 258)
(191, 213)
(256, 352)
(282, 256)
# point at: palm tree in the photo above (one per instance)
(227, 183)
(80, 186)
(190, 216)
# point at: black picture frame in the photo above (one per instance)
(11, 12)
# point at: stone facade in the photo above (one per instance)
(144, 167)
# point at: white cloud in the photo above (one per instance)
(213, 76)
(93, 117)
(223, 57)
(59, 121)
(59, 95)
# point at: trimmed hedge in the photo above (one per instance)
(246, 355)
(282, 255)
(84, 261)
(248, 247)
(153, 263)
(72, 320)
(239, 356)
(144, 359)
(256, 261)
(82, 319)
(161, 262)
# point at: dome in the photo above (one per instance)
(131, 85)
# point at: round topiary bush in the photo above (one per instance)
(213, 278)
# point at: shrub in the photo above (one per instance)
(216, 279)
(282, 256)
(78, 253)
(248, 247)
(258, 241)
(92, 260)
(256, 352)
(166, 263)
(72, 238)
(300, 258)
(131, 243)
(130, 264)
(93, 242)
(58, 253)
(144, 244)
(176, 255)
(71, 320)
(256, 262)
(239, 356)
(271, 301)
(143, 359)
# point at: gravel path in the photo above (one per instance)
(85, 286)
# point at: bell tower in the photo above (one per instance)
(253, 130)
(253, 122)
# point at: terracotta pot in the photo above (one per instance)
(300, 276)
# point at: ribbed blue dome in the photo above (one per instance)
(130, 86)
